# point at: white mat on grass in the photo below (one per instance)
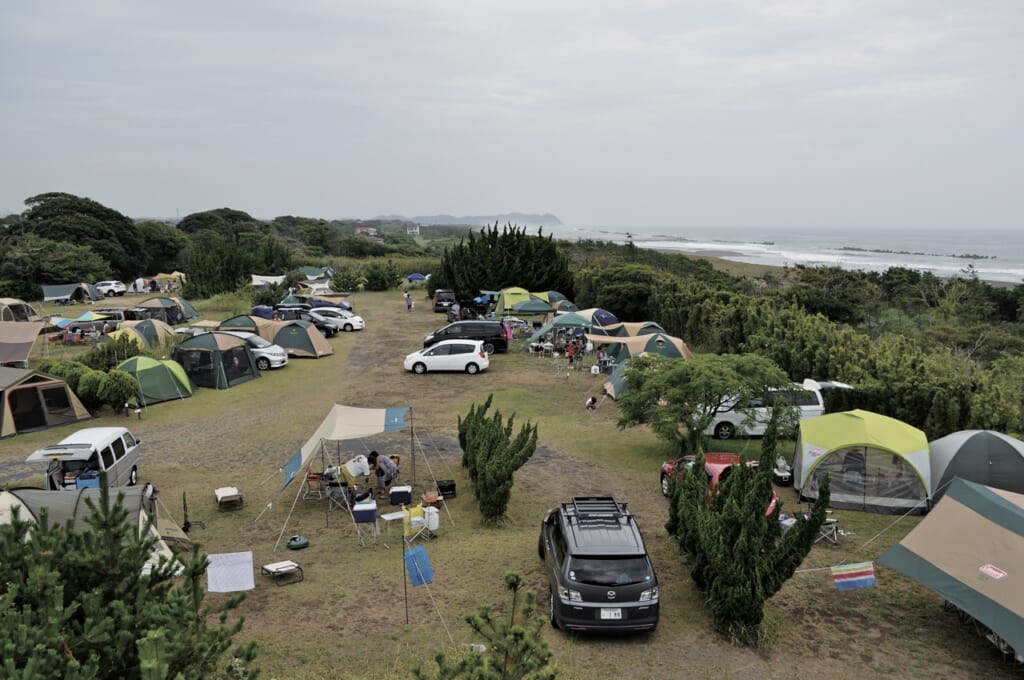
(230, 572)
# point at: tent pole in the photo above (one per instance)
(285, 526)
(412, 448)
(405, 580)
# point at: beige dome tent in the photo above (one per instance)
(30, 400)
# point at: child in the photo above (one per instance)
(591, 403)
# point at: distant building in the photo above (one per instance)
(412, 230)
(366, 231)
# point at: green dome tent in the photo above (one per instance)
(216, 360)
(265, 328)
(159, 380)
(876, 463)
(302, 339)
(983, 456)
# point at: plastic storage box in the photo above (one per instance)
(365, 511)
(446, 487)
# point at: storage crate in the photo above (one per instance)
(446, 487)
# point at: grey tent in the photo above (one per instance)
(217, 360)
(67, 293)
(30, 400)
(970, 551)
(12, 309)
(983, 456)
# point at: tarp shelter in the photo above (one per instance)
(30, 400)
(175, 310)
(216, 360)
(64, 506)
(17, 339)
(67, 293)
(876, 463)
(970, 551)
(982, 456)
(159, 380)
(345, 422)
(265, 328)
(314, 273)
(533, 306)
(570, 320)
(12, 309)
(260, 282)
(415, 276)
(302, 339)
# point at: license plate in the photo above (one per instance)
(607, 613)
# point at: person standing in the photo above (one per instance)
(408, 301)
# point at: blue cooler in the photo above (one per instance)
(401, 495)
(365, 511)
(88, 480)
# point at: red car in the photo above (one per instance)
(716, 466)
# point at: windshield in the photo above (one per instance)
(257, 341)
(610, 571)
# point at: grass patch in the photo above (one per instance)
(347, 619)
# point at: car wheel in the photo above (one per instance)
(419, 368)
(348, 328)
(323, 332)
(551, 609)
(724, 431)
(133, 477)
(489, 348)
(664, 486)
(472, 368)
(263, 363)
(109, 293)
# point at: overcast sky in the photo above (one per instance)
(830, 113)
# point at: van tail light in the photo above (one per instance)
(483, 354)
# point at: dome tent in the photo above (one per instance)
(216, 360)
(159, 380)
(983, 456)
(877, 463)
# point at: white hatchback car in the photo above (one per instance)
(345, 319)
(268, 355)
(111, 288)
(450, 355)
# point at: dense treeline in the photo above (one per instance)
(942, 354)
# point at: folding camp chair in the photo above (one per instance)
(414, 525)
(829, 531)
(313, 488)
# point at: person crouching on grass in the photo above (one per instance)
(386, 471)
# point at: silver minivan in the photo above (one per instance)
(77, 460)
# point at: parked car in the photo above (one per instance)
(347, 320)
(111, 288)
(77, 460)
(449, 355)
(268, 355)
(443, 299)
(717, 467)
(327, 327)
(599, 573)
(752, 419)
(491, 333)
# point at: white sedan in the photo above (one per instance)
(345, 319)
(450, 355)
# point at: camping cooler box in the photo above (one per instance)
(365, 511)
(401, 495)
(446, 487)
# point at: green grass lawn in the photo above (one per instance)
(347, 619)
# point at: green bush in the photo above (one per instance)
(90, 389)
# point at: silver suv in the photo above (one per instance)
(268, 355)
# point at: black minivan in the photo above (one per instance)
(491, 332)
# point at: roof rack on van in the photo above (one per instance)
(598, 511)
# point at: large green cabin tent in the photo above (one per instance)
(159, 380)
(216, 360)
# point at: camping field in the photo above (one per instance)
(347, 619)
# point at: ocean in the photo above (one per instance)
(996, 254)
